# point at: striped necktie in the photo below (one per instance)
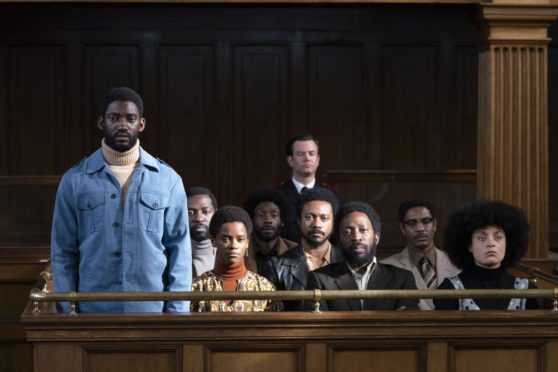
(428, 273)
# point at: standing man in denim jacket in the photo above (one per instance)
(120, 220)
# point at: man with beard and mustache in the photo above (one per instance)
(120, 218)
(290, 271)
(267, 208)
(357, 228)
(429, 265)
(202, 205)
(303, 156)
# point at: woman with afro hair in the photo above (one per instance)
(483, 239)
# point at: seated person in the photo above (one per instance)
(268, 208)
(483, 238)
(290, 270)
(357, 229)
(230, 230)
(202, 204)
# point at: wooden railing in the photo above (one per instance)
(393, 176)
(29, 180)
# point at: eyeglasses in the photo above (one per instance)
(414, 223)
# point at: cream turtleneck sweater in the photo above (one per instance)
(122, 164)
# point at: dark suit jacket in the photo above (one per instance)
(338, 276)
(291, 230)
(290, 272)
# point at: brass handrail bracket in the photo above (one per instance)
(317, 298)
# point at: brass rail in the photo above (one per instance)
(292, 295)
(535, 272)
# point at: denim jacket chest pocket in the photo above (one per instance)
(152, 211)
(91, 210)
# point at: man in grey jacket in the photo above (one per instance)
(429, 265)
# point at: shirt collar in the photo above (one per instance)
(416, 255)
(326, 260)
(299, 185)
(371, 265)
(96, 161)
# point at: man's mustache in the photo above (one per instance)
(355, 246)
(122, 133)
(317, 231)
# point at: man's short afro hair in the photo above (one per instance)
(472, 216)
(357, 206)
(319, 193)
(122, 94)
(199, 190)
(266, 195)
(413, 203)
(229, 214)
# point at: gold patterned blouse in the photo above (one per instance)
(211, 282)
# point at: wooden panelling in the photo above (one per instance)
(135, 358)
(333, 341)
(241, 357)
(4, 150)
(59, 357)
(408, 106)
(187, 111)
(336, 87)
(394, 357)
(553, 134)
(19, 270)
(225, 87)
(260, 89)
(514, 356)
(26, 215)
(458, 132)
(35, 108)
(16, 356)
(105, 66)
(513, 144)
(316, 357)
(193, 358)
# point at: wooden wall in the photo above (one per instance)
(553, 133)
(382, 87)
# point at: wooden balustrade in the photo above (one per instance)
(334, 341)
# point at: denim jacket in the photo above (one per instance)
(97, 245)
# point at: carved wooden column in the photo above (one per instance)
(512, 140)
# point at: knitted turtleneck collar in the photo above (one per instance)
(118, 158)
(203, 248)
(230, 274)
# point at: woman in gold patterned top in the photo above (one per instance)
(230, 230)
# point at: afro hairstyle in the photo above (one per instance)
(475, 215)
(229, 214)
(266, 195)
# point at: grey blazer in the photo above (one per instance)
(444, 269)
